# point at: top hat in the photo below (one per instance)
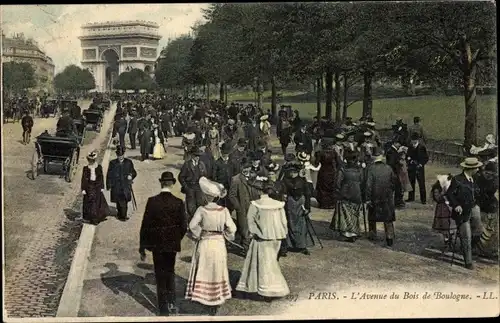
(471, 163)
(167, 177)
(120, 151)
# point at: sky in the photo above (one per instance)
(56, 27)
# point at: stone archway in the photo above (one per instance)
(112, 68)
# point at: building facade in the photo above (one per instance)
(111, 48)
(19, 49)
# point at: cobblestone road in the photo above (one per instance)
(40, 231)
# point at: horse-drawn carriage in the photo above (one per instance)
(50, 107)
(94, 117)
(106, 104)
(58, 150)
(80, 125)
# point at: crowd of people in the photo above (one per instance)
(237, 194)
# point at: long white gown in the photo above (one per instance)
(208, 281)
(261, 271)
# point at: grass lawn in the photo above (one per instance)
(442, 116)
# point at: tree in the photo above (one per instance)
(74, 79)
(136, 79)
(18, 77)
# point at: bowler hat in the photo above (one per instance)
(225, 148)
(120, 151)
(242, 142)
(470, 163)
(289, 157)
(167, 177)
(196, 151)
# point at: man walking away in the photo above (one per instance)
(27, 124)
(132, 130)
(417, 128)
(163, 227)
(416, 160)
(380, 184)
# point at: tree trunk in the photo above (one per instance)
(221, 91)
(469, 69)
(329, 94)
(367, 94)
(208, 92)
(346, 90)
(318, 96)
(337, 96)
(225, 93)
(259, 94)
(204, 89)
(273, 97)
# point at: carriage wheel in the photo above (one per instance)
(34, 165)
(71, 168)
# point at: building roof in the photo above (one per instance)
(19, 43)
(122, 23)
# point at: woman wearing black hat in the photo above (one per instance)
(326, 183)
(95, 208)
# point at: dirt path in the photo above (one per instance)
(119, 284)
(39, 236)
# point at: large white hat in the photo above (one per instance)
(212, 188)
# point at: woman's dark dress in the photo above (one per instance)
(95, 206)
(327, 175)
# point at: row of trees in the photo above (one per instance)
(337, 45)
(73, 79)
(18, 77)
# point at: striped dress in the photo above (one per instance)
(208, 281)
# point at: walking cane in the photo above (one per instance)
(134, 202)
(364, 217)
(308, 220)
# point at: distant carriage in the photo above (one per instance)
(94, 118)
(57, 150)
(80, 125)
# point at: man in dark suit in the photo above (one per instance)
(416, 159)
(463, 196)
(27, 124)
(65, 124)
(191, 172)
(237, 156)
(163, 227)
(222, 171)
(392, 159)
(303, 140)
(121, 173)
(132, 130)
(121, 129)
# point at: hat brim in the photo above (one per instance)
(167, 180)
(464, 165)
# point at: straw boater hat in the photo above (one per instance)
(264, 117)
(339, 136)
(167, 177)
(231, 121)
(212, 188)
(367, 134)
(471, 163)
(303, 156)
(92, 155)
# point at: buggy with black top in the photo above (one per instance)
(94, 116)
(64, 151)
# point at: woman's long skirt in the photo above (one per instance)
(208, 281)
(346, 218)
(443, 223)
(95, 207)
(158, 151)
(298, 232)
(261, 271)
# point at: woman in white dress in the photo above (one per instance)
(267, 225)
(159, 149)
(208, 281)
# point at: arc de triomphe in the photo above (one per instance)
(114, 47)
